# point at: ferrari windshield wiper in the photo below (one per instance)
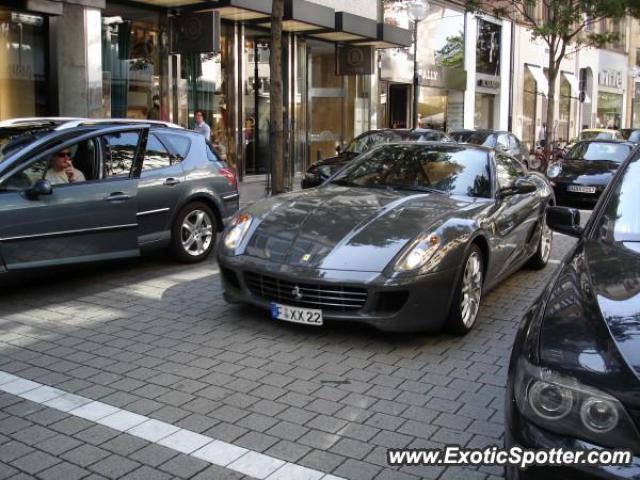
(417, 188)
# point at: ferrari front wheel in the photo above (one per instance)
(466, 301)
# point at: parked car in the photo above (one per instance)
(502, 140)
(321, 170)
(600, 134)
(581, 177)
(406, 237)
(631, 134)
(107, 190)
(573, 379)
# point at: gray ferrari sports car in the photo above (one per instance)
(407, 237)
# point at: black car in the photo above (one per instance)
(320, 171)
(581, 177)
(501, 140)
(574, 376)
(631, 134)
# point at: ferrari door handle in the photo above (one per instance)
(171, 182)
(118, 197)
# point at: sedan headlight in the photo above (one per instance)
(563, 405)
(554, 170)
(239, 228)
(418, 254)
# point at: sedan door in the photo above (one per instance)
(76, 222)
(160, 188)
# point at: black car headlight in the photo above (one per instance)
(563, 405)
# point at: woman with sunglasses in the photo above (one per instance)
(62, 171)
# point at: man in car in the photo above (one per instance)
(62, 171)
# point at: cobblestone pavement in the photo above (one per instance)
(156, 338)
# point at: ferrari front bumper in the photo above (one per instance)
(419, 303)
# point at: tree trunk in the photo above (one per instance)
(551, 105)
(276, 131)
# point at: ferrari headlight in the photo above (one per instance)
(240, 227)
(563, 405)
(554, 170)
(418, 254)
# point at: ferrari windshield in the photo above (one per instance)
(615, 152)
(445, 168)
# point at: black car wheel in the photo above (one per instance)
(466, 301)
(543, 252)
(193, 236)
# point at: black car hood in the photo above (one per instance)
(341, 159)
(342, 228)
(592, 172)
(591, 328)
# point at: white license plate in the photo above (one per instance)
(308, 316)
(581, 189)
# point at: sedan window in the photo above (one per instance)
(156, 155)
(120, 149)
(179, 145)
(420, 168)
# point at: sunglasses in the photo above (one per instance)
(63, 154)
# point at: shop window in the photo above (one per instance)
(23, 79)
(565, 111)
(134, 63)
(529, 100)
(609, 113)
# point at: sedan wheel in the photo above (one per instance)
(193, 233)
(464, 310)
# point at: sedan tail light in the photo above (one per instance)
(230, 175)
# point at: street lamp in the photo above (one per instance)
(417, 11)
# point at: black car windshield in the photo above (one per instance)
(13, 139)
(488, 139)
(448, 169)
(615, 152)
(621, 220)
(367, 141)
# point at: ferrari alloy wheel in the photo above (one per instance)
(466, 303)
(540, 259)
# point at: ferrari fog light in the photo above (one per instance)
(550, 401)
(234, 237)
(599, 415)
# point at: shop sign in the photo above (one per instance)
(443, 77)
(491, 84)
(610, 78)
(197, 32)
(354, 60)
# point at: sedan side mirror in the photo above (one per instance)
(564, 220)
(40, 187)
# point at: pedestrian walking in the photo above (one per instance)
(201, 126)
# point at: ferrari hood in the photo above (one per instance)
(343, 228)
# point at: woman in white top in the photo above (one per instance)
(62, 170)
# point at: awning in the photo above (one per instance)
(540, 78)
(305, 16)
(350, 27)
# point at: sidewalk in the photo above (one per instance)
(253, 188)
